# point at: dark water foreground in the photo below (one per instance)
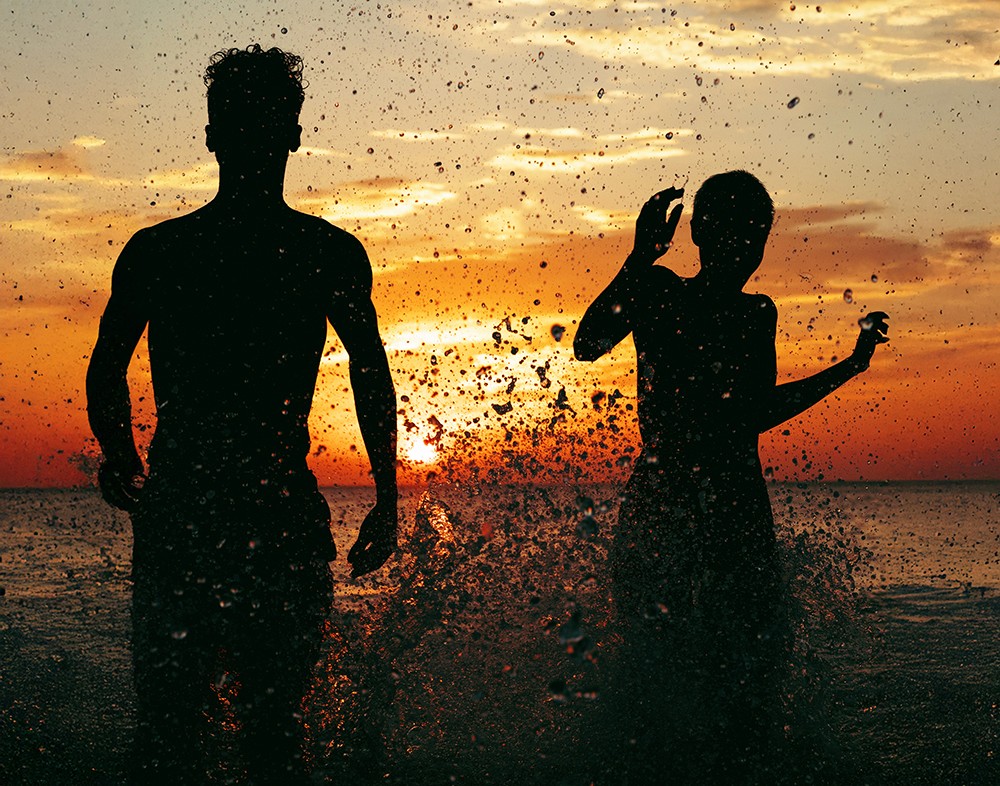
(487, 655)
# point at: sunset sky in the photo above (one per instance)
(492, 156)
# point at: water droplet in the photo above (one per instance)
(557, 332)
(848, 296)
(670, 134)
(284, 31)
(874, 278)
(793, 103)
(600, 93)
(371, 150)
(587, 528)
(732, 26)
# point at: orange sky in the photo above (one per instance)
(492, 158)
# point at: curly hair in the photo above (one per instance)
(255, 80)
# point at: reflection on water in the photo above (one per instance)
(488, 654)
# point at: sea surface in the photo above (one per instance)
(484, 653)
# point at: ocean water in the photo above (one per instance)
(486, 653)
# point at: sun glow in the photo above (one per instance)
(422, 453)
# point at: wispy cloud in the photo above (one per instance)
(321, 152)
(88, 142)
(66, 165)
(418, 136)
(365, 199)
(203, 176)
(529, 159)
(44, 165)
(900, 42)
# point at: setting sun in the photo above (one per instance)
(422, 453)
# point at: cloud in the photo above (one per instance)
(569, 132)
(366, 199)
(418, 136)
(892, 41)
(203, 176)
(64, 165)
(605, 219)
(825, 214)
(88, 142)
(538, 148)
(529, 159)
(504, 224)
(44, 165)
(322, 152)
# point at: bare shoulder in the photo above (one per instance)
(661, 286)
(342, 255)
(161, 244)
(136, 261)
(329, 236)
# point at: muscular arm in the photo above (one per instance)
(353, 318)
(109, 407)
(374, 395)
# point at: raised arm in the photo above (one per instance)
(353, 317)
(109, 407)
(610, 317)
(794, 398)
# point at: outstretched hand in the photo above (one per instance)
(120, 488)
(654, 230)
(873, 333)
(376, 540)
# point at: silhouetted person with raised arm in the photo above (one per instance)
(231, 535)
(694, 564)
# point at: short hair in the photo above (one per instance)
(733, 202)
(255, 82)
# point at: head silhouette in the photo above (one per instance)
(254, 98)
(730, 223)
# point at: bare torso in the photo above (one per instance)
(703, 367)
(238, 308)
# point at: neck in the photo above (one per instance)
(715, 286)
(260, 185)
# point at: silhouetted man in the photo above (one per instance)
(694, 553)
(231, 536)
